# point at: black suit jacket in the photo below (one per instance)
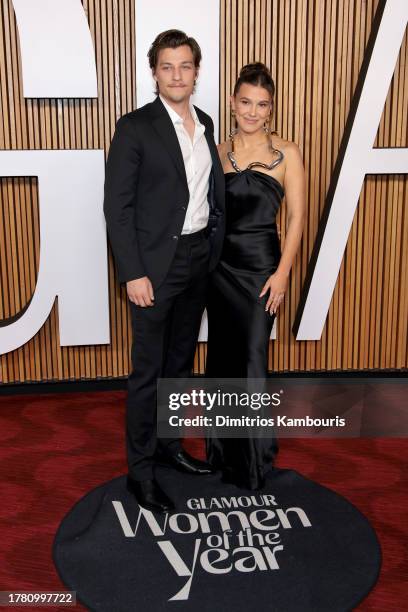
(146, 193)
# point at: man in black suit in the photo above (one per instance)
(164, 207)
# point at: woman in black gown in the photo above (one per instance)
(251, 278)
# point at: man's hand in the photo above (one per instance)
(140, 291)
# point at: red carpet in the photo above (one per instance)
(55, 448)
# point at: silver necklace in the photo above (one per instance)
(230, 155)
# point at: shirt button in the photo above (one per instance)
(183, 208)
(175, 237)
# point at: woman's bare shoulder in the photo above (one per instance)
(286, 146)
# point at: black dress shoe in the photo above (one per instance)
(186, 463)
(149, 495)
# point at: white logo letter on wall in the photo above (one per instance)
(356, 159)
(203, 23)
(58, 61)
(57, 55)
(73, 254)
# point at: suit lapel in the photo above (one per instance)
(211, 145)
(165, 129)
(210, 141)
(217, 170)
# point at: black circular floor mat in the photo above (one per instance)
(294, 546)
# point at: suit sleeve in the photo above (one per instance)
(122, 169)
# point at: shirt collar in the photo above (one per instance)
(175, 117)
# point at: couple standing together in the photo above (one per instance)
(192, 227)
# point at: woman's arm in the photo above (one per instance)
(295, 194)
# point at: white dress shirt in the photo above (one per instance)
(197, 162)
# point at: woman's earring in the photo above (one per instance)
(266, 127)
(234, 131)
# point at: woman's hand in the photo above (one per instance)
(277, 284)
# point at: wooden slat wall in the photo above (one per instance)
(314, 49)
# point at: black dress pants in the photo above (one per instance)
(164, 341)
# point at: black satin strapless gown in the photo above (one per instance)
(238, 326)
